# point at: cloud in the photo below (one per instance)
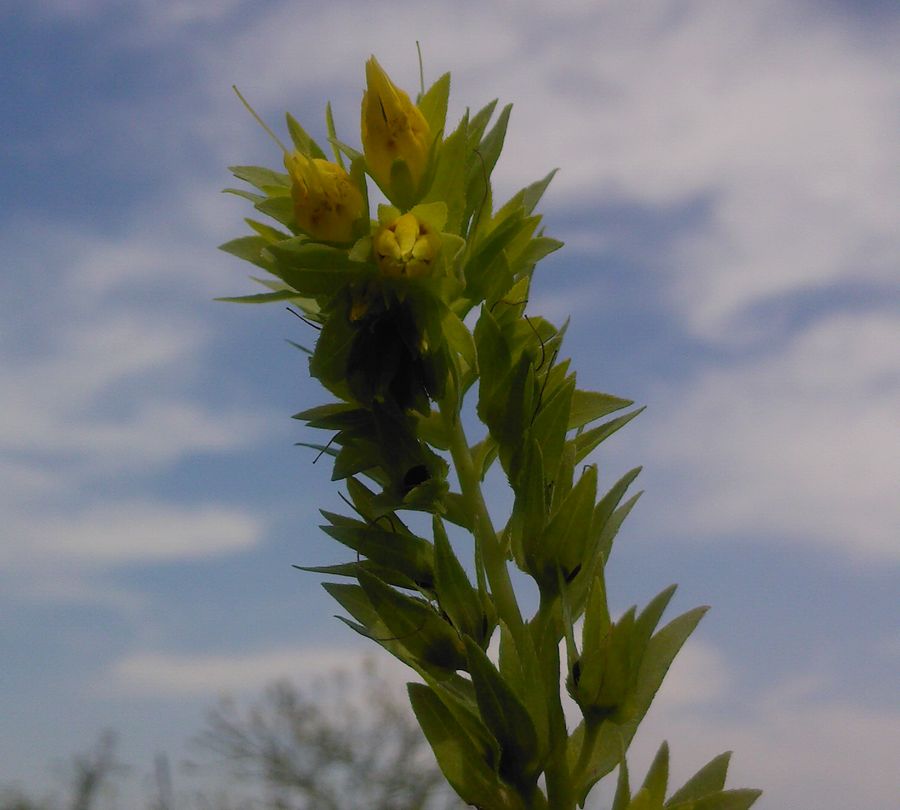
(803, 748)
(102, 347)
(133, 531)
(780, 124)
(796, 443)
(796, 740)
(168, 674)
(776, 127)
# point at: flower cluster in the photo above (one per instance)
(391, 296)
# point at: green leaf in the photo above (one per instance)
(607, 504)
(492, 143)
(562, 543)
(267, 232)
(402, 191)
(590, 405)
(661, 651)
(315, 283)
(611, 528)
(658, 657)
(469, 775)
(505, 716)
(622, 799)
(303, 143)
(477, 268)
(433, 429)
(318, 416)
(550, 424)
(484, 454)
(261, 298)
(449, 183)
(587, 441)
(741, 799)
(458, 510)
(709, 779)
(649, 617)
(657, 777)
(281, 209)
(521, 669)
(248, 248)
(352, 570)
(322, 449)
(260, 176)
(415, 624)
(456, 596)
(565, 476)
(368, 624)
(529, 516)
(458, 695)
(301, 253)
(534, 251)
(410, 555)
(478, 122)
(332, 135)
(494, 360)
(348, 151)
(433, 105)
(527, 197)
(247, 195)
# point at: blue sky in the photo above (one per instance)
(729, 192)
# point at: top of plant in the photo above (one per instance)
(390, 295)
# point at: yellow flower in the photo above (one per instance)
(326, 201)
(392, 128)
(407, 247)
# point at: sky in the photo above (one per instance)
(728, 191)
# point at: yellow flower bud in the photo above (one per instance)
(326, 201)
(408, 247)
(392, 127)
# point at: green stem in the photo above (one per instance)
(489, 545)
(493, 554)
(588, 741)
(546, 633)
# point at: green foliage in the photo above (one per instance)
(396, 352)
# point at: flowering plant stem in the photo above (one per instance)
(395, 349)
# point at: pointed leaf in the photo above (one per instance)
(332, 135)
(469, 775)
(590, 405)
(506, 717)
(415, 624)
(433, 104)
(260, 176)
(709, 779)
(587, 441)
(304, 144)
(456, 596)
(409, 555)
(741, 799)
(658, 777)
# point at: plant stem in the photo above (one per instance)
(492, 552)
(546, 629)
(588, 741)
(559, 789)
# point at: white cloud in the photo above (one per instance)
(781, 121)
(165, 674)
(819, 751)
(130, 531)
(799, 443)
(698, 676)
(796, 741)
